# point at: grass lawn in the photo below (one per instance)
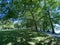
(26, 37)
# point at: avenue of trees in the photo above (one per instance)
(31, 14)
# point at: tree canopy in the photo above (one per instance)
(35, 14)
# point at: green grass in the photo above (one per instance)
(26, 37)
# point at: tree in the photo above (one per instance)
(33, 13)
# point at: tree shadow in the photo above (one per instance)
(49, 41)
(24, 37)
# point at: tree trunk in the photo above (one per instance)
(44, 26)
(51, 22)
(36, 28)
(48, 13)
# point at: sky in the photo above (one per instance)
(4, 11)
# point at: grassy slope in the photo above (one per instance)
(26, 37)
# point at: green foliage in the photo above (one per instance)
(34, 13)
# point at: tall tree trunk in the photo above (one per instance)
(34, 21)
(51, 22)
(36, 28)
(48, 13)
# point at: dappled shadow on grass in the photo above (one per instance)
(26, 37)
